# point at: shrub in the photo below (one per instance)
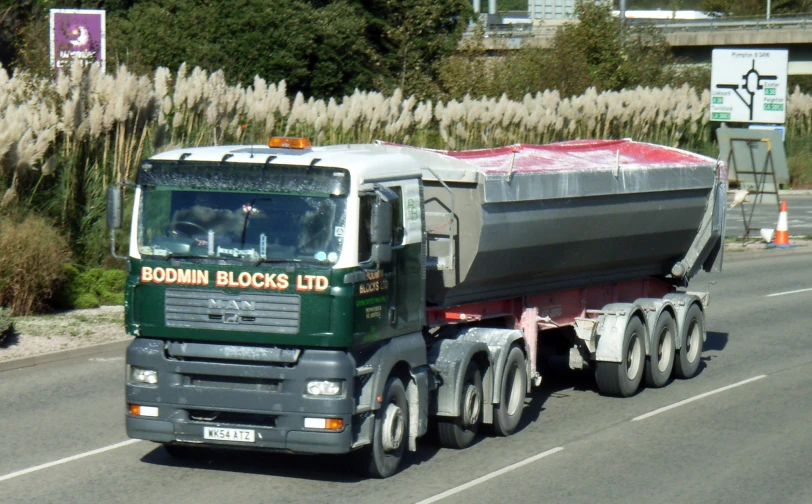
(65, 295)
(6, 324)
(32, 253)
(111, 287)
(91, 288)
(86, 300)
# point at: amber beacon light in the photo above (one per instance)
(289, 143)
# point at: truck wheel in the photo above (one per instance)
(513, 388)
(391, 434)
(459, 433)
(622, 379)
(693, 330)
(661, 361)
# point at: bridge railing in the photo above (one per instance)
(728, 24)
(669, 26)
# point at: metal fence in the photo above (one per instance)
(670, 26)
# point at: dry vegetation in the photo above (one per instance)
(98, 126)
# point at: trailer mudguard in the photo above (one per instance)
(611, 329)
(449, 358)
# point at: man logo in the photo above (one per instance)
(231, 304)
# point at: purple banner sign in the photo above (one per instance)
(77, 35)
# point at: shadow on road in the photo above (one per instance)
(716, 341)
(334, 468)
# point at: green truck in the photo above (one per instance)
(344, 298)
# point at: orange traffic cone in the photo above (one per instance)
(781, 232)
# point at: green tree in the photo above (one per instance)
(591, 52)
(412, 36)
(613, 57)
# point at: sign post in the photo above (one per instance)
(77, 35)
(749, 85)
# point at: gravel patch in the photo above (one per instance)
(63, 331)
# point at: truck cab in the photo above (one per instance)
(266, 286)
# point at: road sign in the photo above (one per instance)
(749, 85)
(77, 34)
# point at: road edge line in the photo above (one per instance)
(65, 460)
(696, 398)
(489, 476)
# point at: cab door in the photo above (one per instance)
(392, 293)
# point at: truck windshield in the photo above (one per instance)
(231, 225)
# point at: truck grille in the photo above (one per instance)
(214, 310)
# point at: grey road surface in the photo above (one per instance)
(799, 216)
(749, 443)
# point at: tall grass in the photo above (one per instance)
(63, 142)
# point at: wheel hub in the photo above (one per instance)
(664, 355)
(393, 428)
(633, 358)
(692, 342)
(472, 406)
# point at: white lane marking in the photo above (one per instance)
(696, 398)
(789, 292)
(492, 475)
(67, 459)
(106, 359)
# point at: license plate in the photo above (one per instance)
(221, 434)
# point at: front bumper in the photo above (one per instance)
(268, 398)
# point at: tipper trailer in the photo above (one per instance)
(337, 299)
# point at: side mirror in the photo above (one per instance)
(113, 208)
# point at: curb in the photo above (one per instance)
(60, 355)
(735, 255)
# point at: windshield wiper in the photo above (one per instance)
(172, 255)
(271, 260)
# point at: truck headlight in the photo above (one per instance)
(324, 387)
(142, 376)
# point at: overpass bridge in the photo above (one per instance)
(693, 40)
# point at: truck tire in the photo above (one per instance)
(382, 457)
(460, 432)
(622, 379)
(660, 362)
(689, 355)
(513, 388)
